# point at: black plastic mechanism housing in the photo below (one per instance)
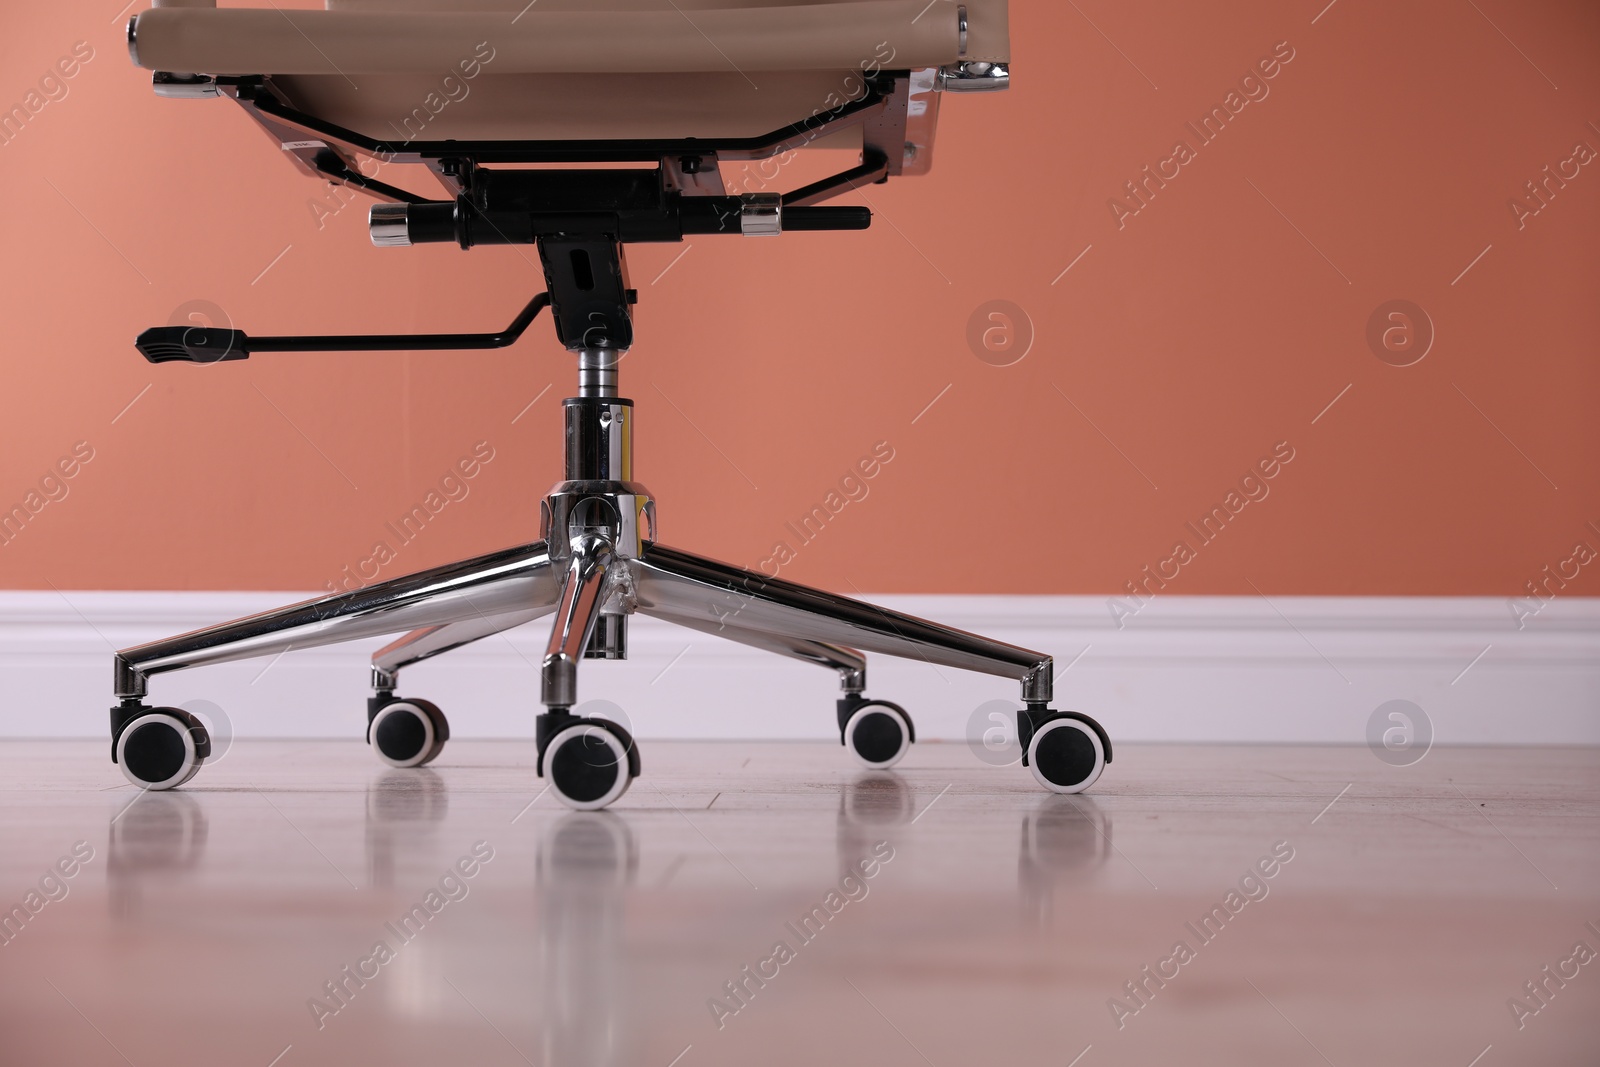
(468, 222)
(590, 294)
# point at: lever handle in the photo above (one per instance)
(205, 344)
(192, 344)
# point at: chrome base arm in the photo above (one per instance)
(450, 606)
(583, 593)
(747, 606)
(431, 641)
(486, 587)
(851, 665)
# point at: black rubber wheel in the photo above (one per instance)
(162, 749)
(1066, 755)
(587, 766)
(878, 733)
(408, 733)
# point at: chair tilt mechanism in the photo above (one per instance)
(596, 561)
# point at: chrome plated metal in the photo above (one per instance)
(610, 638)
(133, 39)
(451, 606)
(707, 595)
(974, 76)
(599, 439)
(430, 641)
(961, 30)
(509, 580)
(582, 594)
(761, 214)
(624, 511)
(851, 665)
(597, 371)
(599, 494)
(390, 225)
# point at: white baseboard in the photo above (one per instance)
(1206, 669)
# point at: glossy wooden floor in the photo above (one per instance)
(1405, 910)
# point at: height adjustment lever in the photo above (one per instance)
(191, 344)
(206, 344)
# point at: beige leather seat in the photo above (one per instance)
(398, 70)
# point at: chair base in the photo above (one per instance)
(450, 606)
(597, 565)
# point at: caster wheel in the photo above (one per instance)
(878, 733)
(1066, 755)
(408, 733)
(587, 764)
(162, 749)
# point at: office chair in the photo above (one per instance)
(476, 92)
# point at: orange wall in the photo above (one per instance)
(1190, 341)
